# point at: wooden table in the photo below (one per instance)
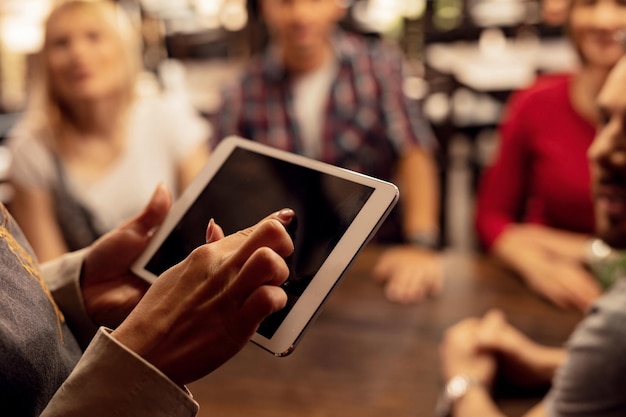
(367, 357)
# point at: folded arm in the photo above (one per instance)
(550, 262)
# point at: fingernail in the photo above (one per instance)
(209, 230)
(286, 215)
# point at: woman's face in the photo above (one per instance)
(84, 57)
(594, 28)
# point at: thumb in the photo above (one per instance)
(490, 327)
(213, 232)
(153, 214)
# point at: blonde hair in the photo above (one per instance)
(45, 112)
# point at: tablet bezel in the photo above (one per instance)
(367, 221)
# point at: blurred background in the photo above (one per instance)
(463, 58)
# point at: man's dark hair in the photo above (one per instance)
(258, 36)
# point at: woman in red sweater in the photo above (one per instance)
(534, 207)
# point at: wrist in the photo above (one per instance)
(457, 388)
(135, 338)
(477, 402)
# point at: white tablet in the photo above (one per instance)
(337, 212)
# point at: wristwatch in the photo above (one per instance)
(596, 251)
(426, 240)
(454, 390)
(606, 264)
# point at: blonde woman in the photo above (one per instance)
(89, 151)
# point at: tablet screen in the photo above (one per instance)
(248, 187)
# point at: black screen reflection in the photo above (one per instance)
(250, 186)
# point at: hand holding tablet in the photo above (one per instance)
(337, 212)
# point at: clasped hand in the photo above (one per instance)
(477, 347)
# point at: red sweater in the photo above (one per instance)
(541, 172)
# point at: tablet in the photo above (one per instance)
(337, 212)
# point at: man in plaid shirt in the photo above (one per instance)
(323, 93)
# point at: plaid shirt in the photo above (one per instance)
(368, 120)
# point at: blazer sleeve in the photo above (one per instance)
(110, 380)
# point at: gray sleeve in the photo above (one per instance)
(62, 276)
(591, 382)
(110, 380)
